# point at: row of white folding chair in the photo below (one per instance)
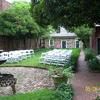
(16, 55)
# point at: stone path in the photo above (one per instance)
(85, 83)
(28, 79)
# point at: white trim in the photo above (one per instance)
(62, 41)
(75, 43)
(50, 44)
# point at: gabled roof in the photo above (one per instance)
(97, 25)
(63, 33)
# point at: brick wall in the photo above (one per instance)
(4, 5)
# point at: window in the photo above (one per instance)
(58, 29)
(77, 44)
(51, 43)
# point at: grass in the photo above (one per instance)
(44, 94)
(63, 92)
(31, 62)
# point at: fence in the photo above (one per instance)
(9, 43)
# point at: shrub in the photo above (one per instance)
(64, 92)
(60, 75)
(74, 58)
(89, 54)
(98, 98)
(94, 64)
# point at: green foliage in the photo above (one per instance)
(60, 75)
(74, 58)
(94, 65)
(44, 94)
(63, 72)
(17, 21)
(89, 54)
(73, 12)
(83, 32)
(97, 98)
(39, 13)
(64, 92)
(93, 62)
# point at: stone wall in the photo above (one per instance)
(57, 42)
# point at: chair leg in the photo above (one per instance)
(13, 89)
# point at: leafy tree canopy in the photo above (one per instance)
(83, 32)
(17, 21)
(71, 13)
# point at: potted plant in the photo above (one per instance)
(60, 75)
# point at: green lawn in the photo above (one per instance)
(34, 60)
(30, 62)
(44, 94)
(63, 92)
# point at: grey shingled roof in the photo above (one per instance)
(63, 33)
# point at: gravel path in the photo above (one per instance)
(85, 83)
(28, 79)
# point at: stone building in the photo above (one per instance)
(63, 39)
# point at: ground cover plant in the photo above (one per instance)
(89, 54)
(93, 62)
(64, 92)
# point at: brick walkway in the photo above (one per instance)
(83, 78)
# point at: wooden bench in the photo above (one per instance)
(8, 80)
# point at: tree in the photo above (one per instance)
(39, 13)
(17, 22)
(83, 32)
(71, 13)
(74, 12)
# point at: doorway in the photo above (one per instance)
(98, 45)
(64, 44)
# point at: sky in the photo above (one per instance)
(17, 0)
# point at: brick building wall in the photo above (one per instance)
(94, 40)
(4, 5)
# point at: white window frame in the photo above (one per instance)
(75, 43)
(50, 42)
(62, 41)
